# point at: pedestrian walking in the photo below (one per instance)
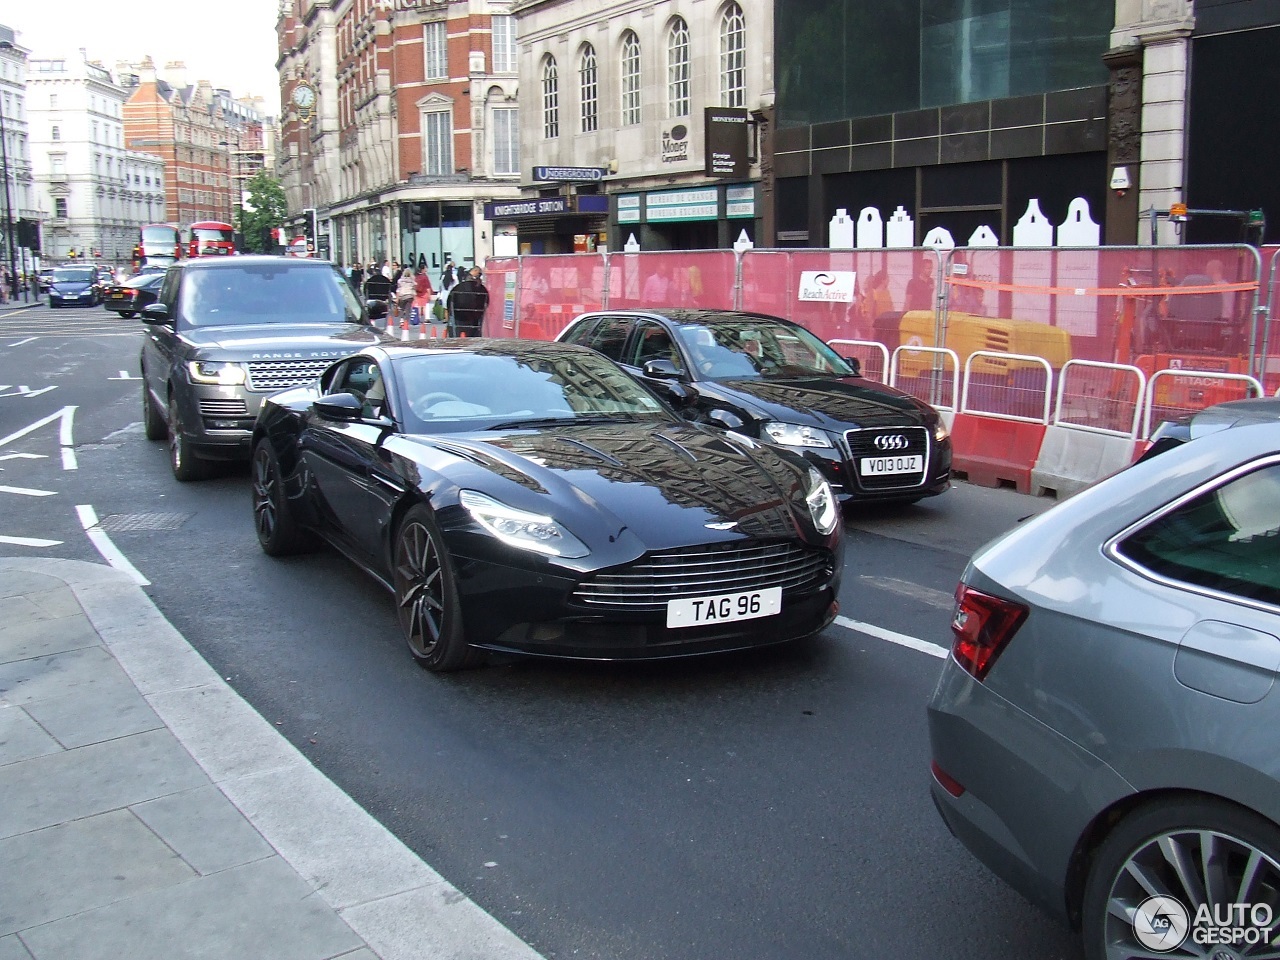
(406, 290)
(468, 301)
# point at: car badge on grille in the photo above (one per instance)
(891, 441)
(726, 525)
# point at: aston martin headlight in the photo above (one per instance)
(519, 528)
(822, 503)
(213, 371)
(795, 435)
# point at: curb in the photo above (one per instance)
(384, 892)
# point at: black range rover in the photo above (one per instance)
(227, 332)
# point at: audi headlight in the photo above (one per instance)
(519, 528)
(213, 371)
(794, 435)
(940, 431)
(822, 503)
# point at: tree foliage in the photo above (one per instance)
(264, 209)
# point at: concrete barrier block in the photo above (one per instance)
(1071, 459)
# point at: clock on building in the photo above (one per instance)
(304, 97)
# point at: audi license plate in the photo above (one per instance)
(724, 608)
(878, 466)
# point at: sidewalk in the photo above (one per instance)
(147, 812)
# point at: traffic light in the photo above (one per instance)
(309, 224)
(412, 217)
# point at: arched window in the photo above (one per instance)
(733, 57)
(550, 99)
(630, 78)
(589, 90)
(678, 69)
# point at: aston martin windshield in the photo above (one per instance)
(475, 391)
(750, 347)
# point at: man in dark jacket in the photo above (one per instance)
(468, 301)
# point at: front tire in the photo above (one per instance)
(1193, 851)
(153, 424)
(183, 461)
(279, 533)
(427, 596)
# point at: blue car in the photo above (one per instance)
(74, 285)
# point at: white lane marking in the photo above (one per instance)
(28, 491)
(26, 341)
(901, 639)
(124, 375)
(68, 444)
(29, 542)
(905, 588)
(64, 415)
(23, 456)
(110, 552)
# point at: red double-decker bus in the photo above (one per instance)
(211, 238)
(158, 243)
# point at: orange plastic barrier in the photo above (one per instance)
(994, 452)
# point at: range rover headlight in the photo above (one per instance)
(215, 371)
(519, 528)
(795, 435)
(822, 503)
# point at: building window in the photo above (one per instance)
(550, 99)
(53, 101)
(504, 44)
(733, 58)
(57, 133)
(506, 140)
(678, 69)
(435, 50)
(437, 136)
(630, 79)
(589, 90)
(60, 208)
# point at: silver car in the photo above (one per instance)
(1104, 733)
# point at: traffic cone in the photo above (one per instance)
(391, 324)
(404, 331)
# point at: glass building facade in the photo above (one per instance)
(841, 59)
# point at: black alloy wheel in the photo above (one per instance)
(153, 424)
(1165, 863)
(185, 464)
(427, 596)
(279, 532)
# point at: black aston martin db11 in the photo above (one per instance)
(533, 497)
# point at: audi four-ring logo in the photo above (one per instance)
(894, 441)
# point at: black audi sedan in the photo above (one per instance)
(128, 297)
(533, 497)
(775, 381)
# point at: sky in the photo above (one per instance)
(231, 43)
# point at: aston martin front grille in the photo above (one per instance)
(279, 374)
(648, 583)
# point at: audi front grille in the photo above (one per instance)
(279, 374)
(648, 583)
(880, 443)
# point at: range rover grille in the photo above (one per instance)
(279, 374)
(648, 583)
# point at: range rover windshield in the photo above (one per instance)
(267, 293)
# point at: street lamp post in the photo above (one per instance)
(8, 210)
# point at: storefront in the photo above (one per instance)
(691, 218)
(562, 224)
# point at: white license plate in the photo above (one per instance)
(876, 466)
(724, 608)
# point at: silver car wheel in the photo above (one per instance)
(419, 580)
(1193, 867)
